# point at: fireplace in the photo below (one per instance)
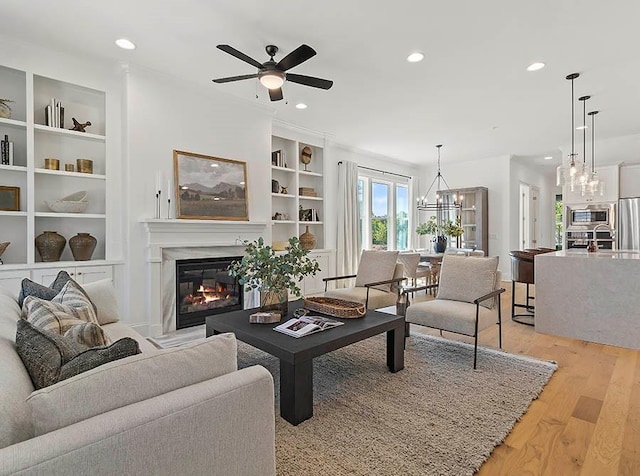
(203, 288)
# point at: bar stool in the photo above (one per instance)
(522, 271)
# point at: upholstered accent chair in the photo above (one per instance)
(376, 282)
(413, 270)
(468, 292)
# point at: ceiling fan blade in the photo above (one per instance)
(301, 54)
(309, 81)
(235, 78)
(275, 94)
(238, 54)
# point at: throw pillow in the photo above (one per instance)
(465, 278)
(87, 333)
(133, 380)
(103, 295)
(31, 288)
(376, 266)
(50, 358)
(73, 296)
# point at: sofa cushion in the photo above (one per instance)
(376, 266)
(103, 295)
(453, 316)
(88, 334)
(465, 278)
(15, 384)
(131, 380)
(50, 357)
(31, 288)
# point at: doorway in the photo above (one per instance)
(529, 233)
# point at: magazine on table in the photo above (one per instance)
(305, 325)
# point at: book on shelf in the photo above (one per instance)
(277, 158)
(54, 114)
(303, 326)
(6, 151)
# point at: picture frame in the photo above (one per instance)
(210, 188)
(10, 199)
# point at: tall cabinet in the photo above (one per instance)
(297, 200)
(474, 216)
(33, 142)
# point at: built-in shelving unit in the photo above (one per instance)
(33, 142)
(473, 215)
(289, 212)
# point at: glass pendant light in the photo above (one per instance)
(595, 185)
(566, 174)
(582, 177)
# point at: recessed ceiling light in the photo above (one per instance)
(215, 165)
(535, 66)
(415, 57)
(580, 128)
(301, 105)
(241, 183)
(548, 157)
(125, 44)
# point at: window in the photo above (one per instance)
(383, 205)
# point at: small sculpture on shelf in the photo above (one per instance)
(283, 190)
(305, 157)
(5, 109)
(79, 126)
(3, 247)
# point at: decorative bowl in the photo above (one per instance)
(74, 203)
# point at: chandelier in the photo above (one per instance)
(452, 201)
(568, 173)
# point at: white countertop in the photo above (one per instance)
(602, 254)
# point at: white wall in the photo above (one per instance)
(163, 114)
(544, 179)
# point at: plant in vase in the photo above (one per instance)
(440, 231)
(275, 274)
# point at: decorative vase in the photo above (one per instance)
(307, 240)
(50, 245)
(275, 186)
(274, 301)
(82, 246)
(441, 244)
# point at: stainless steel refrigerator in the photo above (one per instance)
(629, 224)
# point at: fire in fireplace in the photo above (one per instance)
(203, 288)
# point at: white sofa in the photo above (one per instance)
(154, 413)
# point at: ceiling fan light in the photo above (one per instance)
(272, 79)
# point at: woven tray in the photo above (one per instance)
(335, 307)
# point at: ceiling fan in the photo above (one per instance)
(272, 75)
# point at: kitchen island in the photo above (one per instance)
(589, 296)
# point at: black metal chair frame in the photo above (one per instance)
(368, 285)
(530, 314)
(495, 293)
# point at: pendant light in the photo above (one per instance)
(566, 174)
(595, 185)
(439, 204)
(582, 176)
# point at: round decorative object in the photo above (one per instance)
(275, 186)
(307, 240)
(74, 203)
(5, 109)
(275, 301)
(69, 168)
(441, 244)
(84, 166)
(3, 247)
(51, 163)
(305, 156)
(82, 246)
(50, 245)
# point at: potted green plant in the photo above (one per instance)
(274, 273)
(440, 231)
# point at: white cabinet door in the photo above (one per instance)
(81, 274)
(90, 274)
(12, 280)
(314, 284)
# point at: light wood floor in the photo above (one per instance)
(587, 419)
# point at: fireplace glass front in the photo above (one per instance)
(203, 288)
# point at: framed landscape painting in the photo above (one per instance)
(210, 188)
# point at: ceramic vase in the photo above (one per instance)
(50, 245)
(441, 244)
(307, 240)
(274, 301)
(82, 246)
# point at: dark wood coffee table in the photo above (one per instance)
(296, 355)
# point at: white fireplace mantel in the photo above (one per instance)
(168, 238)
(175, 233)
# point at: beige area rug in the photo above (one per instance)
(436, 417)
